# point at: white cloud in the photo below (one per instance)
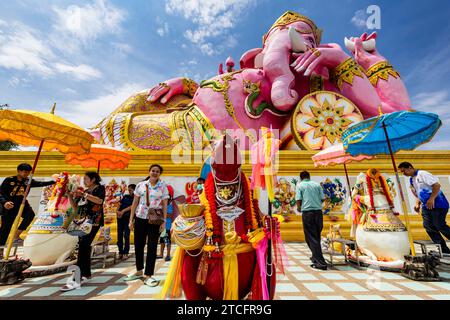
(359, 19)
(437, 102)
(22, 49)
(25, 49)
(80, 72)
(207, 48)
(87, 113)
(213, 19)
(163, 30)
(122, 47)
(16, 81)
(88, 22)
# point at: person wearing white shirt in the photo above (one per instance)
(427, 190)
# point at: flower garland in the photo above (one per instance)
(251, 224)
(213, 233)
(384, 187)
(212, 220)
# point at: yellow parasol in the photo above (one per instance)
(49, 132)
(100, 156)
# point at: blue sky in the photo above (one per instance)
(90, 55)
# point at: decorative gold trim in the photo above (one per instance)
(223, 87)
(290, 17)
(381, 70)
(189, 87)
(315, 83)
(345, 72)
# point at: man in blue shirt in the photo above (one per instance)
(123, 220)
(309, 197)
(427, 190)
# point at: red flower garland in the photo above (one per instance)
(370, 187)
(386, 192)
(210, 193)
(247, 203)
(383, 184)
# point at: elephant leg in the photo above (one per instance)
(192, 290)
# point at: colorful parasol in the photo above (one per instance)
(336, 155)
(49, 132)
(390, 133)
(101, 157)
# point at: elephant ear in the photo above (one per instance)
(252, 59)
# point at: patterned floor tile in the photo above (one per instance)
(368, 297)
(445, 275)
(331, 298)
(391, 276)
(293, 298)
(144, 289)
(11, 292)
(332, 276)
(84, 290)
(39, 281)
(113, 290)
(295, 269)
(304, 276)
(383, 286)
(100, 279)
(345, 268)
(350, 287)
(359, 276)
(443, 285)
(43, 292)
(318, 287)
(406, 297)
(440, 296)
(300, 283)
(286, 287)
(416, 286)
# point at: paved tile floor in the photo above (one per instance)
(299, 283)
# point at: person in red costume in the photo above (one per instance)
(232, 211)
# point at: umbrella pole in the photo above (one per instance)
(22, 205)
(269, 267)
(348, 180)
(405, 209)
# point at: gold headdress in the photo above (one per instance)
(289, 17)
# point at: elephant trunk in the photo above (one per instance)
(276, 66)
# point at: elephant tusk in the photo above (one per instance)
(369, 45)
(297, 43)
(350, 45)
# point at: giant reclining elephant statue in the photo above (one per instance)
(308, 91)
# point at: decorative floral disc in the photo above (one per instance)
(321, 117)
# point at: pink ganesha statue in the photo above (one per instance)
(308, 91)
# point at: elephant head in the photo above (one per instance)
(226, 158)
(291, 33)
